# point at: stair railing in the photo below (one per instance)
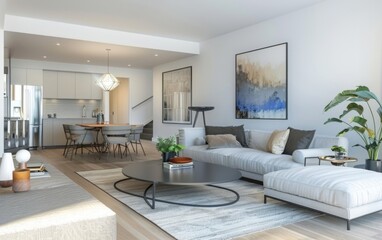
(147, 99)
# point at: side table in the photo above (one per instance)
(337, 162)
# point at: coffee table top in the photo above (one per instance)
(201, 173)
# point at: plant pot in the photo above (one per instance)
(373, 165)
(339, 155)
(166, 156)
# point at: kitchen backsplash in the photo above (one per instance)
(69, 108)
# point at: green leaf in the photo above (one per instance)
(352, 107)
(379, 111)
(341, 133)
(359, 129)
(333, 120)
(359, 145)
(337, 100)
(359, 120)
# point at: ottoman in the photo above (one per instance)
(344, 192)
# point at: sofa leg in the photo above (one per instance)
(348, 224)
(265, 199)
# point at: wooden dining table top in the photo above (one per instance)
(101, 125)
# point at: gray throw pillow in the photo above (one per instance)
(298, 139)
(237, 131)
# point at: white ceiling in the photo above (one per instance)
(193, 20)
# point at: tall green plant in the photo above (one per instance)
(370, 132)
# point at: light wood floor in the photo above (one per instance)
(132, 226)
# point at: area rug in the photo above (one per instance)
(246, 216)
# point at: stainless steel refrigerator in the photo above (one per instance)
(26, 104)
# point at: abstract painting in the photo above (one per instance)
(261, 83)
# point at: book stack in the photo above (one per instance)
(170, 165)
(37, 170)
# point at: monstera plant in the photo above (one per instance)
(366, 118)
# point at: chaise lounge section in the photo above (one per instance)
(344, 192)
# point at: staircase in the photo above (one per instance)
(147, 131)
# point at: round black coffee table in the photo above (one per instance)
(200, 174)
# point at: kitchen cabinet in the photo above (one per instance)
(53, 130)
(47, 132)
(97, 92)
(66, 82)
(50, 89)
(24, 76)
(71, 85)
(83, 86)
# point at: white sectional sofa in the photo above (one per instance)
(255, 161)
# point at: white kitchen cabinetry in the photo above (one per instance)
(83, 86)
(23, 76)
(47, 132)
(97, 92)
(66, 83)
(50, 88)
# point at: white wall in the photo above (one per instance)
(332, 46)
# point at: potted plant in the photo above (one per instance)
(339, 152)
(168, 147)
(360, 102)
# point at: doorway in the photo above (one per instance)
(119, 102)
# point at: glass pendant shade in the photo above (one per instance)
(107, 82)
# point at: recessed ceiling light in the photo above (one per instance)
(58, 44)
(88, 61)
(44, 57)
(129, 65)
(156, 55)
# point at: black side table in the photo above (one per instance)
(200, 109)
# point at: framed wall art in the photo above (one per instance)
(261, 83)
(177, 96)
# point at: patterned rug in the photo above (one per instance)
(246, 216)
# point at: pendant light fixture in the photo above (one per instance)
(107, 82)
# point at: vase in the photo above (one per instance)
(339, 155)
(373, 165)
(166, 156)
(21, 180)
(6, 169)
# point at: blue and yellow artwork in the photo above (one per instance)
(261, 83)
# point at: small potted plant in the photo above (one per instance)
(168, 147)
(339, 152)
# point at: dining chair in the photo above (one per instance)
(67, 137)
(79, 138)
(135, 138)
(117, 137)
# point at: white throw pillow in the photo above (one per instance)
(277, 141)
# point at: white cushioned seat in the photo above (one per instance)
(344, 192)
(343, 187)
(246, 159)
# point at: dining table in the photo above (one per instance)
(99, 144)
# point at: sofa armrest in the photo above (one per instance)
(300, 154)
(190, 136)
